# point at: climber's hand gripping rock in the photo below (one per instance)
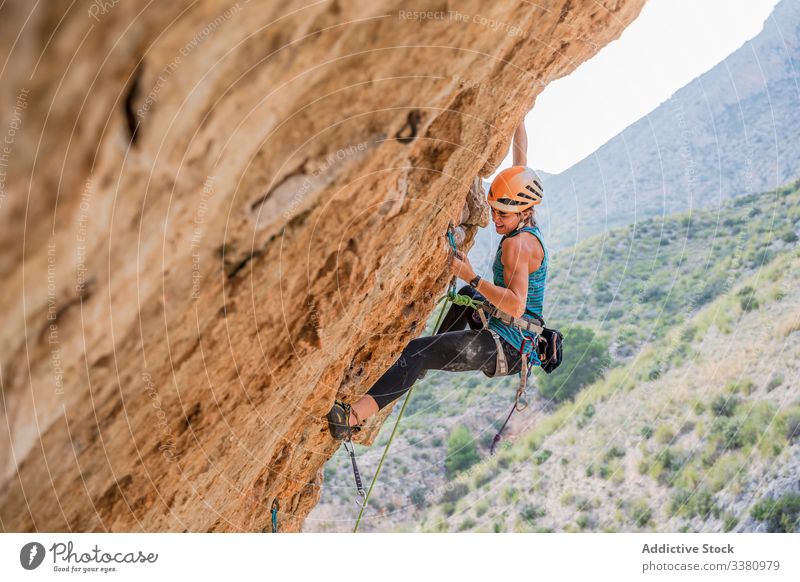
(462, 267)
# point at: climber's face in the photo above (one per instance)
(505, 222)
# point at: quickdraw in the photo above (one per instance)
(275, 507)
(361, 496)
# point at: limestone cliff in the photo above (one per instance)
(218, 216)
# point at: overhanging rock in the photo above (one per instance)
(218, 216)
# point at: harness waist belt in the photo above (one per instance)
(525, 323)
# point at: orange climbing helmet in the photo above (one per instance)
(515, 189)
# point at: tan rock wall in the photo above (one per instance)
(182, 306)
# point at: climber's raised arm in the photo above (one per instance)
(520, 147)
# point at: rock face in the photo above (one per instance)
(219, 216)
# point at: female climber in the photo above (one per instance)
(517, 290)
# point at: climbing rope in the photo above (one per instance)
(450, 296)
(275, 508)
(465, 301)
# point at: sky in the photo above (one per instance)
(668, 45)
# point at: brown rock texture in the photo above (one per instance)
(217, 216)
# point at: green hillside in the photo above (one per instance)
(711, 443)
(636, 283)
(656, 293)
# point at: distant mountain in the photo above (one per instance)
(732, 131)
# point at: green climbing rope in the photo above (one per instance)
(465, 301)
(400, 415)
(453, 297)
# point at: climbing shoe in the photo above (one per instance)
(339, 422)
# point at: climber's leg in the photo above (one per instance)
(364, 407)
(455, 351)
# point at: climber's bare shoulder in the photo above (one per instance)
(523, 249)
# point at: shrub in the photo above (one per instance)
(789, 237)
(724, 405)
(744, 386)
(688, 333)
(531, 513)
(481, 508)
(667, 465)
(614, 452)
(729, 522)
(542, 456)
(417, 497)
(679, 501)
(467, 524)
(647, 432)
(782, 515)
(726, 470)
(664, 434)
(705, 505)
(691, 503)
(747, 298)
(641, 513)
(461, 452)
(655, 372)
(790, 420)
(510, 495)
(732, 437)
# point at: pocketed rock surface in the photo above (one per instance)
(217, 217)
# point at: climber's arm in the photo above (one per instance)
(511, 298)
(520, 147)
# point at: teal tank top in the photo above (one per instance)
(535, 300)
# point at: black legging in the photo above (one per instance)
(454, 349)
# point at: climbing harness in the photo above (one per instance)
(275, 507)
